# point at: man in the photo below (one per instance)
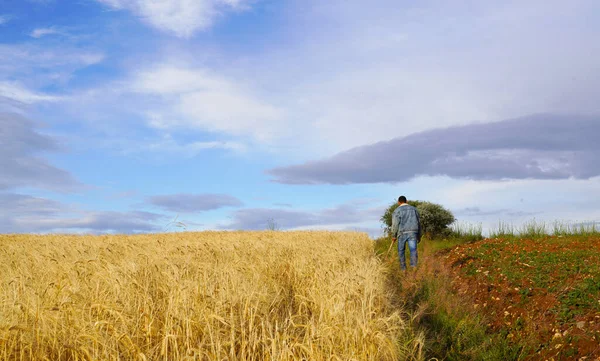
(406, 228)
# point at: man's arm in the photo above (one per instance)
(420, 233)
(394, 225)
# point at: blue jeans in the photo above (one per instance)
(411, 239)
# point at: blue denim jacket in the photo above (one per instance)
(405, 219)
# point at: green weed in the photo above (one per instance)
(467, 232)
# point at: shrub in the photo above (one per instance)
(435, 219)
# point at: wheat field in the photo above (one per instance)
(197, 296)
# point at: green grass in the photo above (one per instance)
(466, 232)
(575, 229)
(539, 229)
(452, 331)
(503, 230)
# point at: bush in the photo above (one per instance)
(435, 219)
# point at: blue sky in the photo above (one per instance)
(122, 115)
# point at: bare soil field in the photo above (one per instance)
(543, 294)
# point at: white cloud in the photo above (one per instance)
(173, 80)
(26, 69)
(41, 32)
(362, 106)
(372, 76)
(519, 201)
(229, 111)
(17, 92)
(565, 201)
(179, 17)
(168, 145)
(35, 57)
(570, 193)
(358, 75)
(198, 98)
(4, 19)
(376, 75)
(39, 63)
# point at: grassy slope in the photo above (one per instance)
(452, 330)
(506, 299)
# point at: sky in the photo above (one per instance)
(128, 116)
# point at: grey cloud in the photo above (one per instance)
(478, 212)
(20, 163)
(258, 218)
(192, 203)
(28, 206)
(588, 224)
(521, 214)
(123, 195)
(285, 205)
(546, 146)
(27, 214)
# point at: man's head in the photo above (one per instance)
(402, 200)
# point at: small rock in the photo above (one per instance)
(557, 335)
(581, 325)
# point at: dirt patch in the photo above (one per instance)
(545, 292)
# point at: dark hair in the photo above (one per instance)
(402, 199)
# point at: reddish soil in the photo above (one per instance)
(542, 293)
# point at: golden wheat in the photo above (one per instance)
(196, 296)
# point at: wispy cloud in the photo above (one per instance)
(42, 65)
(535, 147)
(36, 57)
(4, 19)
(167, 145)
(181, 18)
(194, 203)
(17, 92)
(52, 30)
(161, 148)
